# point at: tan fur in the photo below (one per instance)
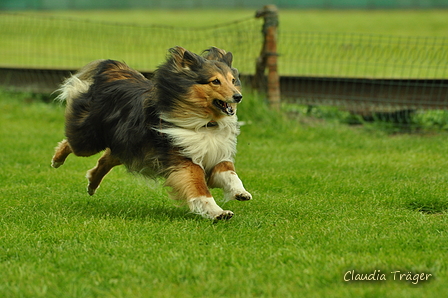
(188, 184)
(187, 181)
(104, 165)
(123, 72)
(219, 168)
(205, 94)
(61, 152)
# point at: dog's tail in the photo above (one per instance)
(78, 83)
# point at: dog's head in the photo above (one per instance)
(213, 83)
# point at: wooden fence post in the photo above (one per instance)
(268, 57)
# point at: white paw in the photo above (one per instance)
(243, 196)
(207, 208)
(237, 195)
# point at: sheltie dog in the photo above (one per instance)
(180, 125)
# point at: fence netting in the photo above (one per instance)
(364, 72)
(51, 42)
(362, 55)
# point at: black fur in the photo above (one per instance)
(120, 116)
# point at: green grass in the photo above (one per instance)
(328, 198)
(344, 43)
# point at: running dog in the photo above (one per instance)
(180, 125)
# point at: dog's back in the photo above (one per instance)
(99, 111)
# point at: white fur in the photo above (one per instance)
(205, 146)
(72, 87)
(232, 186)
(207, 207)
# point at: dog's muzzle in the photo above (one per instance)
(225, 107)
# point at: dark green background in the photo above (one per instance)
(190, 4)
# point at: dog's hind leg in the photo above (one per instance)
(224, 176)
(188, 183)
(62, 151)
(106, 162)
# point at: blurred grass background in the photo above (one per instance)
(382, 44)
(408, 22)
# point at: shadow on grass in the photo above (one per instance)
(130, 210)
(429, 207)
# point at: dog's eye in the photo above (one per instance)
(233, 81)
(216, 82)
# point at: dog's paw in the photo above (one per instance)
(239, 196)
(244, 196)
(207, 208)
(225, 214)
(56, 164)
(90, 190)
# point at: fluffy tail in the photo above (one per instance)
(78, 83)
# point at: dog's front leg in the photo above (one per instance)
(224, 176)
(188, 183)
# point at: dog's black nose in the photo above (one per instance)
(237, 97)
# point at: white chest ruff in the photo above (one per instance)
(206, 146)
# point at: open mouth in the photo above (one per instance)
(224, 107)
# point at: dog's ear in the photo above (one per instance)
(191, 60)
(184, 59)
(236, 74)
(177, 53)
(228, 58)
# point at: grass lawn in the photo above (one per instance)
(328, 199)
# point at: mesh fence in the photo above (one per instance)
(49, 42)
(362, 55)
(364, 73)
